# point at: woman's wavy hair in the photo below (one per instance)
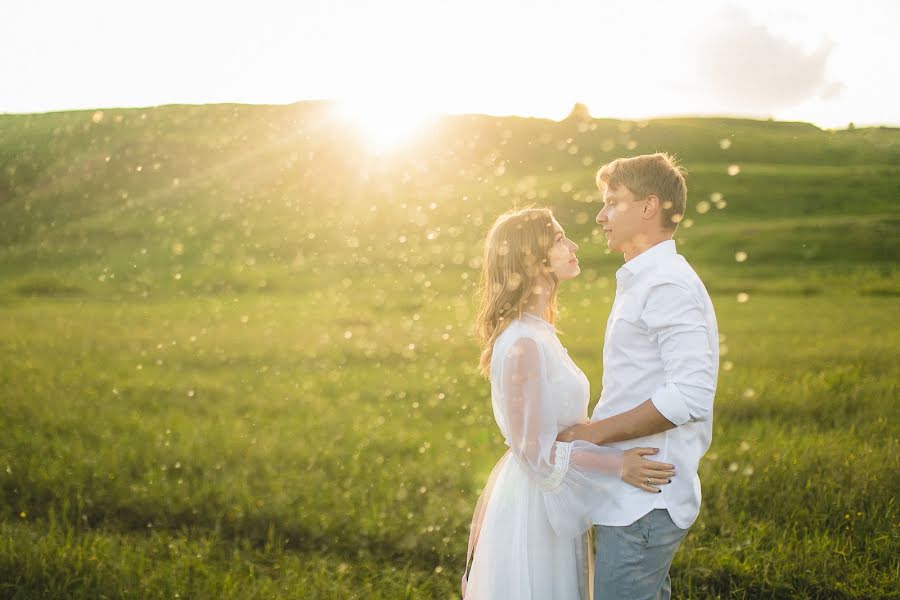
(515, 266)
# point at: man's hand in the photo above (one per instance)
(580, 431)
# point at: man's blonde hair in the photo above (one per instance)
(650, 175)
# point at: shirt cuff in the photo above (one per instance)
(668, 401)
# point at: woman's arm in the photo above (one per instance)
(526, 406)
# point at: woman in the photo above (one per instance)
(529, 529)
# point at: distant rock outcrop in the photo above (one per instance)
(579, 113)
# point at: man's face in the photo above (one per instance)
(621, 220)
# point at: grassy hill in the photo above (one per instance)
(236, 363)
(116, 191)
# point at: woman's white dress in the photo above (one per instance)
(529, 531)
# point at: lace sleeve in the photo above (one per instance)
(569, 474)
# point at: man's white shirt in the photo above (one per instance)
(661, 344)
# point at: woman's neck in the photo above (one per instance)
(537, 304)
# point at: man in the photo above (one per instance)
(660, 366)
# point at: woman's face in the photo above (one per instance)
(562, 259)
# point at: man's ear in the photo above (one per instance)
(652, 206)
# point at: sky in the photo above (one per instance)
(824, 62)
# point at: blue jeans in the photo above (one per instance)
(632, 562)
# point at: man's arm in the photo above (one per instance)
(676, 319)
(640, 421)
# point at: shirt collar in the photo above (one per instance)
(648, 258)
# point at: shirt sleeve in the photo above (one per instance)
(676, 318)
(570, 475)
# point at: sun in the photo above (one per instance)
(384, 123)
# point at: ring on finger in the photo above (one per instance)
(648, 481)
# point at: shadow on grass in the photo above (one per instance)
(47, 287)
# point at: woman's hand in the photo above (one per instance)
(643, 473)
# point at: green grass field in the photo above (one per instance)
(235, 359)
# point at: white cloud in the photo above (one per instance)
(744, 67)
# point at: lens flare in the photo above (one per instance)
(384, 123)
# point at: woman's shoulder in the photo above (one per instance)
(526, 323)
(525, 328)
(528, 338)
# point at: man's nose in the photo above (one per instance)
(601, 216)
